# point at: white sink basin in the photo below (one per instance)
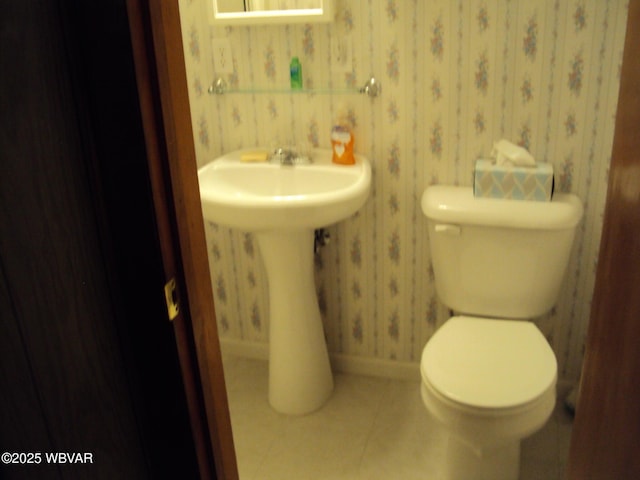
(283, 204)
(261, 196)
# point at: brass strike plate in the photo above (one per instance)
(171, 297)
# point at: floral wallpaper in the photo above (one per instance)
(456, 76)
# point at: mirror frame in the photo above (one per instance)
(270, 17)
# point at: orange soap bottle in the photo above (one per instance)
(342, 141)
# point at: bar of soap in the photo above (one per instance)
(258, 156)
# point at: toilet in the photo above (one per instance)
(488, 373)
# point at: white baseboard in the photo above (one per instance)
(373, 367)
(352, 364)
(244, 349)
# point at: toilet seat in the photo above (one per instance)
(489, 363)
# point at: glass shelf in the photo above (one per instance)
(371, 89)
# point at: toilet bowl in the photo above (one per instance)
(488, 373)
(489, 383)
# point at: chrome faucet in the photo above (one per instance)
(282, 156)
(289, 157)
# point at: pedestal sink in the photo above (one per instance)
(282, 205)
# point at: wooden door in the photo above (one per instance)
(88, 359)
(606, 434)
(164, 100)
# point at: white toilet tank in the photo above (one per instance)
(499, 258)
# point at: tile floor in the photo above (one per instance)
(371, 428)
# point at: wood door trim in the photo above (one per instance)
(162, 85)
(606, 431)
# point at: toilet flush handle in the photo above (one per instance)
(448, 229)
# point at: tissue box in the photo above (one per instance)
(516, 183)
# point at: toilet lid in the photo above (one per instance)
(489, 363)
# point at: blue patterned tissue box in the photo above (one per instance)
(515, 183)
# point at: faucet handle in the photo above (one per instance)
(278, 155)
(289, 156)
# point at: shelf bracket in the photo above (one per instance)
(219, 87)
(372, 88)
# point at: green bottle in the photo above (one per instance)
(295, 69)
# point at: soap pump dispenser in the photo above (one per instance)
(342, 140)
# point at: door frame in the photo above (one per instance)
(606, 429)
(162, 87)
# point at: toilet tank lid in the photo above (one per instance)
(453, 204)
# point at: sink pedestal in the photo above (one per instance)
(300, 378)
